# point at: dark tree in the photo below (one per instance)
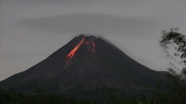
(174, 45)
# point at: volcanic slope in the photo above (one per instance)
(86, 62)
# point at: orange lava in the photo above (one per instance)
(72, 53)
(93, 49)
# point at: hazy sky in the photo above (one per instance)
(31, 30)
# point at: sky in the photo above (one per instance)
(31, 30)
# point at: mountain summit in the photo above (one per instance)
(86, 63)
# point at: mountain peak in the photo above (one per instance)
(87, 37)
(86, 40)
(89, 61)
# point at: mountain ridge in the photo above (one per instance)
(87, 61)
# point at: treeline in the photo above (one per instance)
(176, 95)
(7, 97)
(16, 98)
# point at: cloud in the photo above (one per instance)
(93, 23)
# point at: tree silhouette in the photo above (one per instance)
(174, 45)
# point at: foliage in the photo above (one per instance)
(177, 41)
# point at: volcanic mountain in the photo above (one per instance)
(86, 63)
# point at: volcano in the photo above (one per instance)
(86, 63)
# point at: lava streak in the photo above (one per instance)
(72, 53)
(93, 47)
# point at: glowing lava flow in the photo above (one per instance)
(93, 49)
(72, 53)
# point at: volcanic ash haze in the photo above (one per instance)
(87, 62)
